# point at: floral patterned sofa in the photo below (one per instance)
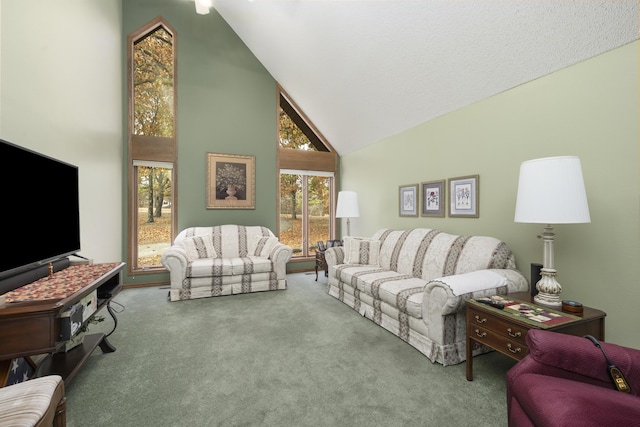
(414, 283)
(225, 260)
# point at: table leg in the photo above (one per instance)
(469, 362)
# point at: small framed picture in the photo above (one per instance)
(433, 198)
(464, 197)
(408, 200)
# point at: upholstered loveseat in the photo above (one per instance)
(225, 260)
(415, 282)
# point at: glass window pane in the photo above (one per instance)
(153, 84)
(291, 212)
(155, 205)
(319, 210)
(291, 136)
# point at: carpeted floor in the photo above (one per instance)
(296, 357)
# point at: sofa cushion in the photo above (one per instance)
(262, 246)
(209, 267)
(398, 290)
(361, 251)
(199, 247)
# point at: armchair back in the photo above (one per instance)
(229, 240)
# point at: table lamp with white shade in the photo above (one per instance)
(551, 191)
(347, 207)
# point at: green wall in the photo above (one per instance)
(589, 110)
(226, 104)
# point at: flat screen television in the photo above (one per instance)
(41, 212)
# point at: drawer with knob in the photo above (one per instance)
(503, 344)
(501, 327)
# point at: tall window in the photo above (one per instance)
(307, 166)
(305, 209)
(152, 145)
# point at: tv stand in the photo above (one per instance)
(32, 326)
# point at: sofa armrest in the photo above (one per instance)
(334, 256)
(280, 255)
(446, 295)
(175, 260)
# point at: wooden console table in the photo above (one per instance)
(496, 329)
(31, 322)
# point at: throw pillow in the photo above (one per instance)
(263, 246)
(361, 251)
(199, 247)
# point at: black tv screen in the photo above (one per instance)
(41, 218)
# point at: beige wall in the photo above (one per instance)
(60, 94)
(589, 110)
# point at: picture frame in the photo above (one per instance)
(464, 197)
(408, 200)
(433, 198)
(231, 181)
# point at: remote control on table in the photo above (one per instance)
(494, 304)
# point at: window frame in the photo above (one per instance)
(144, 148)
(325, 159)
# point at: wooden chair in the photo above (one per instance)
(38, 402)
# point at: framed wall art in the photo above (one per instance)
(408, 200)
(464, 197)
(433, 198)
(231, 181)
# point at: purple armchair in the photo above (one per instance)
(564, 381)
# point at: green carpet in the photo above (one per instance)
(297, 357)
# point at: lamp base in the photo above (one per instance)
(548, 289)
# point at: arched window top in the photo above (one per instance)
(153, 82)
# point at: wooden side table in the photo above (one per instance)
(506, 334)
(321, 264)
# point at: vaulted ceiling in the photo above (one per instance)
(364, 70)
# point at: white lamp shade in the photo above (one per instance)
(551, 191)
(347, 206)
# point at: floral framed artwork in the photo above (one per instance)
(464, 197)
(433, 198)
(231, 181)
(408, 200)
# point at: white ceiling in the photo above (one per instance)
(363, 70)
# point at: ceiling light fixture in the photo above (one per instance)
(203, 6)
